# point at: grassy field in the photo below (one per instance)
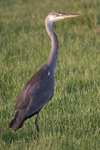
(71, 120)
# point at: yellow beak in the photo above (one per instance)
(69, 15)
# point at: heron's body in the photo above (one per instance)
(35, 94)
(40, 88)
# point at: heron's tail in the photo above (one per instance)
(18, 120)
(11, 125)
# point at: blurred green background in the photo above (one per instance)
(71, 120)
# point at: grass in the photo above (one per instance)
(71, 120)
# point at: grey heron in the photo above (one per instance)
(40, 87)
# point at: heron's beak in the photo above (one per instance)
(69, 15)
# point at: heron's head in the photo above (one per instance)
(55, 16)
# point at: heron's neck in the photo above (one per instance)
(52, 60)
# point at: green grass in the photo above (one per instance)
(71, 120)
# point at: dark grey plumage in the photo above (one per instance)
(35, 94)
(40, 88)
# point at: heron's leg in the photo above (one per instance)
(36, 124)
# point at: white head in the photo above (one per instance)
(55, 16)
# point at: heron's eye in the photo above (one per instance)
(56, 14)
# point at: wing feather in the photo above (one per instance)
(30, 88)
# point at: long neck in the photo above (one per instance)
(52, 60)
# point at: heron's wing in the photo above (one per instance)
(30, 88)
